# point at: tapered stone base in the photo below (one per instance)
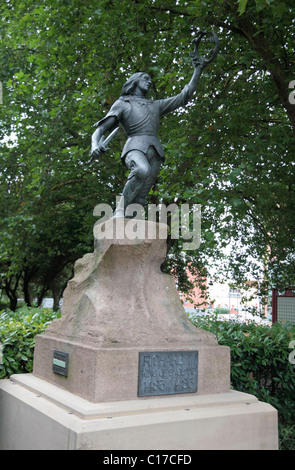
(118, 305)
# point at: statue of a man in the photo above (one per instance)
(140, 118)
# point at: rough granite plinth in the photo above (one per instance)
(118, 304)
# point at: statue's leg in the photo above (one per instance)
(139, 168)
(155, 164)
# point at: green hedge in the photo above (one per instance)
(17, 335)
(259, 357)
(260, 365)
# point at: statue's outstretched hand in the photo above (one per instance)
(99, 149)
(199, 62)
(203, 61)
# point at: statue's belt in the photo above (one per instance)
(151, 134)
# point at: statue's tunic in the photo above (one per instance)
(140, 119)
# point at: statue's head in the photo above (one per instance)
(138, 79)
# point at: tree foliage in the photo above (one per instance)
(17, 336)
(62, 65)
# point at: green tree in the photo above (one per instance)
(63, 63)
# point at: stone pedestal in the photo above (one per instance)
(124, 368)
(119, 304)
(36, 415)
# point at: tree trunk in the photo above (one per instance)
(56, 300)
(11, 291)
(12, 301)
(261, 45)
(26, 290)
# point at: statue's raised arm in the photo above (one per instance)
(140, 118)
(203, 60)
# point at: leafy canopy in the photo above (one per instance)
(62, 65)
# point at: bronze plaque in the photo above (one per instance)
(167, 372)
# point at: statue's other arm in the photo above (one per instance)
(106, 125)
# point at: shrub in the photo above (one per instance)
(220, 310)
(260, 364)
(17, 335)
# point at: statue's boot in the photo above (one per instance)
(129, 195)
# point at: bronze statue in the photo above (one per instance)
(140, 118)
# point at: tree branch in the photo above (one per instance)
(261, 45)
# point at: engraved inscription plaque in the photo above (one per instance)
(167, 372)
(60, 362)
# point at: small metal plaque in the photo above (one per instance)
(167, 372)
(60, 362)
